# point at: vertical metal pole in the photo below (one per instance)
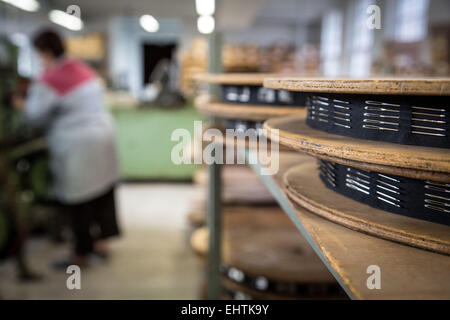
(215, 231)
(214, 207)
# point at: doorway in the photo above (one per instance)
(152, 54)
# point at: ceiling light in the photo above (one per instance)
(27, 5)
(66, 20)
(149, 23)
(205, 7)
(205, 24)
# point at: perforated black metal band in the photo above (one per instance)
(263, 284)
(410, 120)
(258, 95)
(240, 126)
(426, 200)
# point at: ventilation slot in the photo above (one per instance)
(381, 116)
(388, 190)
(428, 121)
(341, 113)
(356, 180)
(437, 196)
(319, 109)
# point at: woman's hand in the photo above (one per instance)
(18, 102)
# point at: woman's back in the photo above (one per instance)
(68, 101)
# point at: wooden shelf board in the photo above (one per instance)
(406, 272)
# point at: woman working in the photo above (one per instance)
(67, 101)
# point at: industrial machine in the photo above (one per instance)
(24, 177)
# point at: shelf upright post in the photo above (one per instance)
(214, 205)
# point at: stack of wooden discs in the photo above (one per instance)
(384, 156)
(265, 257)
(244, 103)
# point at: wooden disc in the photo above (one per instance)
(317, 198)
(262, 241)
(388, 86)
(244, 112)
(233, 217)
(196, 215)
(278, 254)
(255, 79)
(196, 218)
(232, 175)
(240, 185)
(241, 143)
(416, 162)
(197, 211)
(349, 252)
(199, 241)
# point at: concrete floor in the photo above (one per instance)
(152, 259)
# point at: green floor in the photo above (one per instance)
(144, 142)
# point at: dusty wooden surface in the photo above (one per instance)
(317, 198)
(418, 86)
(294, 133)
(208, 107)
(406, 272)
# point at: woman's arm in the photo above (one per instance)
(39, 105)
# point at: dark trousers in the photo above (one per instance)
(93, 220)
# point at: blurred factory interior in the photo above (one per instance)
(146, 54)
